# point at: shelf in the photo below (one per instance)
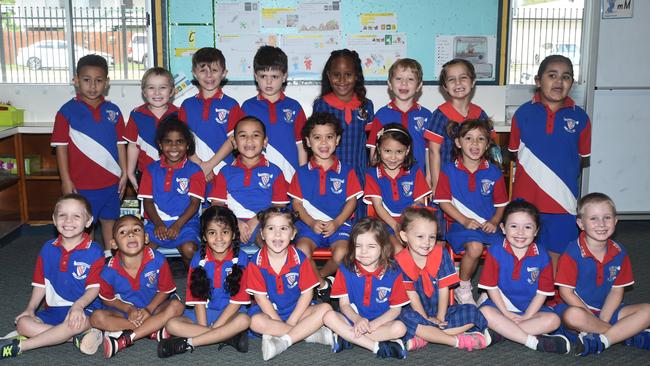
(50, 174)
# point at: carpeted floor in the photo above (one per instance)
(18, 254)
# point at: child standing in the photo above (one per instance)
(550, 135)
(395, 181)
(518, 277)
(283, 117)
(592, 274)
(90, 150)
(172, 190)
(405, 86)
(216, 289)
(371, 294)
(67, 278)
(137, 288)
(140, 131)
(281, 279)
(343, 94)
(472, 193)
(251, 183)
(428, 273)
(325, 193)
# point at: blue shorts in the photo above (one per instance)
(189, 232)
(457, 316)
(104, 202)
(304, 231)
(172, 296)
(571, 334)
(557, 231)
(211, 314)
(284, 314)
(55, 315)
(544, 308)
(458, 236)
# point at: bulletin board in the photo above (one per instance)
(381, 31)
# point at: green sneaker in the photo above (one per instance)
(10, 348)
(88, 342)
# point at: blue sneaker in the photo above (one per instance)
(589, 343)
(641, 340)
(394, 348)
(339, 343)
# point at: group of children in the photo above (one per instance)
(265, 177)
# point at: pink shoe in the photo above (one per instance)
(471, 341)
(415, 344)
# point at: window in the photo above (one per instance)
(540, 28)
(40, 40)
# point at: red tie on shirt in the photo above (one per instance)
(431, 268)
(367, 287)
(348, 107)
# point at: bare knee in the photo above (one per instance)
(305, 246)
(575, 317)
(473, 249)
(187, 249)
(330, 317)
(98, 319)
(259, 323)
(242, 321)
(175, 308)
(398, 329)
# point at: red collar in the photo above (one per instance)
(116, 261)
(209, 257)
(79, 98)
(217, 95)
(163, 163)
(413, 107)
(532, 250)
(144, 109)
(335, 167)
(292, 260)
(474, 112)
(431, 267)
(568, 102)
(381, 172)
(482, 165)
(262, 162)
(262, 97)
(347, 107)
(613, 249)
(83, 244)
(378, 273)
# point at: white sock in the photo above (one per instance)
(605, 341)
(531, 342)
(108, 253)
(375, 348)
(190, 342)
(132, 336)
(287, 339)
(456, 338)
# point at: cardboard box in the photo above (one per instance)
(11, 116)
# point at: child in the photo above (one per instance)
(343, 94)
(457, 80)
(324, 193)
(172, 190)
(90, 151)
(211, 115)
(550, 134)
(428, 273)
(283, 117)
(281, 279)
(137, 288)
(215, 288)
(518, 277)
(395, 181)
(472, 193)
(251, 183)
(405, 86)
(371, 293)
(140, 130)
(592, 274)
(67, 278)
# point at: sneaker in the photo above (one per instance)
(492, 337)
(88, 342)
(239, 342)
(589, 343)
(463, 293)
(173, 346)
(112, 344)
(481, 299)
(322, 336)
(553, 343)
(471, 341)
(339, 343)
(324, 294)
(415, 344)
(272, 346)
(394, 348)
(641, 340)
(13, 335)
(10, 348)
(160, 334)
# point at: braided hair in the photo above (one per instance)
(200, 285)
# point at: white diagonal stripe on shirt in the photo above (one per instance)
(205, 153)
(150, 151)
(95, 152)
(278, 159)
(238, 209)
(466, 211)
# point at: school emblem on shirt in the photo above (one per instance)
(222, 115)
(81, 270)
(613, 272)
(419, 123)
(407, 189)
(265, 180)
(112, 115)
(228, 271)
(292, 279)
(533, 274)
(486, 186)
(571, 125)
(151, 278)
(337, 185)
(183, 185)
(382, 294)
(288, 115)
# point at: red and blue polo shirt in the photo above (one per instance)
(141, 130)
(397, 193)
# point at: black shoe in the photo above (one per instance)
(493, 336)
(239, 342)
(9, 348)
(324, 294)
(394, 348)
(553, 343)
(173, 346)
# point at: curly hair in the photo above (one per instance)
(319, 119)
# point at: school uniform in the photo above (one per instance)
(65, 276)
(519, 280)
(171, 188)
(550, 146)
(324, 194)
(284, 120)
(438, 272)
(141, 128)
(283, 289)
(475, 195)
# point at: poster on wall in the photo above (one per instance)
(321, 16)
(479, 50)
(613, 9)
(237, 18)
(238, 49)
(308, 53)
(378, 52)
